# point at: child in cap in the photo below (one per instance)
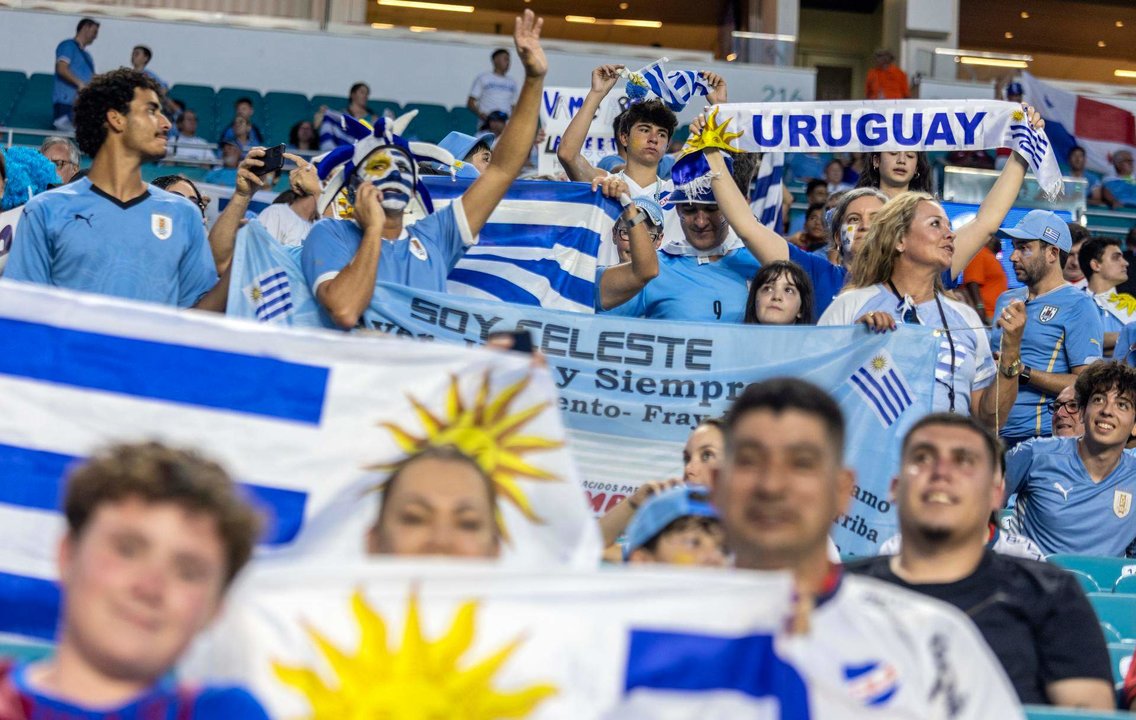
(677, 527)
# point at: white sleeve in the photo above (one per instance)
(842, 311)
(475, 89)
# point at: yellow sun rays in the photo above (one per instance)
(422, 679)
(714, 135)
(487, 430)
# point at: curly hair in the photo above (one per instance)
(110, 91)
(651, 111)
(875, 260)
(920, 181)
(1104, 376)
(28, 173)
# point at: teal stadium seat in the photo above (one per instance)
(1087, 583)
(226, 96)
(332, 102)
(431, 125)
(380, 107)
(1104, 570)
(1119, 611)
(1043, 712)
(203, 101)
(32, 108)
(463, 120)
(25, 652)
(11, 85)
(282, 110)
(1113, 223)
(1126, 585)
(1121, 656)
(1111, 634)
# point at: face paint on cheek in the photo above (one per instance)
(392, 174)
(848, 236)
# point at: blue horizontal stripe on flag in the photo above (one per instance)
(161, 371)
(276, 286)
(34, 479)
(281, 310)
(687, 662)
(539, 236)
(28, 606)
(268, 304)
(278, 274)
(499, 288)
(867, 393)
(564, 283)
(442, 188)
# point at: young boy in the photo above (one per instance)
(678, 527)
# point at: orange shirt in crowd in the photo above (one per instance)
(986, 272)
(890, 83)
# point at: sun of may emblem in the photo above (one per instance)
(716, 135)
(421, 680)
(879, 363)
(487, 430)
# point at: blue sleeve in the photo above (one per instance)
(30, 257)
(1018, 462)
(636, 307)
(67, 50)
(1084, 336)
(828, 279)
(197, 272)
(227, 703)
(440, 233)
(325, 251)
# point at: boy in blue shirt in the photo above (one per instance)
(154, 537)
(1063, 331)
(1075, 495)
(112, 233)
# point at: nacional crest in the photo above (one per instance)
(1121, 503)
(162, 226)
(1047, 313)
(417, 249)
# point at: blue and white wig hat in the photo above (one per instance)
(692, 180)
(329, 166)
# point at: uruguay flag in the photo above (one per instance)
(767, 195)
(1071, 119)
(267, 283)
(676, 88)
(539, 246)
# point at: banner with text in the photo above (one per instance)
(631, 390)
(557, 109)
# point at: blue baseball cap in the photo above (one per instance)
(663, 509)
(1014, 88)
(1041, 225)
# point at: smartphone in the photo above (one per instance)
(273, 160)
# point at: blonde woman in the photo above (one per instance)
(896, 278)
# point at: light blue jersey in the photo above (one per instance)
(691, 288)
(1064, 511)
(973, 364)
(1063, 331)
(81, 65)
(421, 258)
(1125, 350)
(152, 248)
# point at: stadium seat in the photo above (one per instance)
(463, 120)
(1104, 570)
(333, 102)
(1121, 656)
(431, 125)
(1119, 611)
(1087, 583)
(11, 85)
(1044, 712)
(32, 108)
(1126, 585)
(25, 652)
(380, 107)
(1111, 634)
(282, 110)
(203, 101)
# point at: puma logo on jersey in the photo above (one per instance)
(1064, 492)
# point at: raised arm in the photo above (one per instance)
(223, 235)
(568, 153)
(620, 283)
(766, 245)
(512, 150)
(347, 295)
(992, 404)
(972, 236)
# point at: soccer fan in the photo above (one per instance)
(438, 502)
(1034, 616)
(886, 81)
(1075, 494)
(186, 145)
(896, 277)
(1066, 414)
(814, 236)
(183, 186)
(494, 91)
(343, 259)
(63, 154)
(1119, 188)
(816, 192)
(621, 231)
(302, 137)
(871, 644)
(834, 177)
(897, 172)
(154, 537)
(639, 229)
(779, 294)
(1104, 266)
(1076, 162)
(1063, 333)
(290, 217)
(472, 154)
(241, 130)
(111, 233)
(678, 526)
(1072, 270)
(140, 57)
(223, 234)
(74, 68)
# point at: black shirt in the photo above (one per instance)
(1034, 616)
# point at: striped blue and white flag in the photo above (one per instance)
(881, 385)
(304, 420)
(266, 282)
(767, 195)
(331, 131)
(676, 88)
(539, 246)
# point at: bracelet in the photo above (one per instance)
(637, 219)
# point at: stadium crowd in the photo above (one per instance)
(1027, 454)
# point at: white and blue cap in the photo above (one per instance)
(650, 206)
(692, 180)
(1041, 225)
(664, 508)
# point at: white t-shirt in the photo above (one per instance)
(284, 224)
(186, 147)
(875, 650)
(494, 92)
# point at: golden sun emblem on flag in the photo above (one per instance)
(256, 294)
(714, 135)
(487, 430)
(1123, 302)
(879, 363)
(421, 679)
(1018, 115)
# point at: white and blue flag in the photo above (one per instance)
(332, 133)
(267, 283)
(676, 88)
(882, 386)
(767, 196)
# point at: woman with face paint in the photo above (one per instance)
(852, 219)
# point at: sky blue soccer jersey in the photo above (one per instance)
(82, 66)
(1125, 350)
(152, 248)
(420, 259)
(687, 289)
(1063, 331)
(1064, 511)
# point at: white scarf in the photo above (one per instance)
(882, 125)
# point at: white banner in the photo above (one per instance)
(8, 222)
(559, 106)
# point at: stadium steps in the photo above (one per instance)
(32, 108)
(203, 101)
(431, 125)
(11, 85)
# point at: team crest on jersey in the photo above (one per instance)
(162, 226)
(1121, 503)
(417, 249)
(1047, 313)
(873, 683)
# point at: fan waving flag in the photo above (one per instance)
(267, 283)
(768, 196)
(676, 88)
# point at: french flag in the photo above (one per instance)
(1071, 119)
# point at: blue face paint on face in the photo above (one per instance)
(391, 171)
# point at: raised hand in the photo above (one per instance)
(248, 182)
(605, 77)
(717, 85)
(526, 36)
